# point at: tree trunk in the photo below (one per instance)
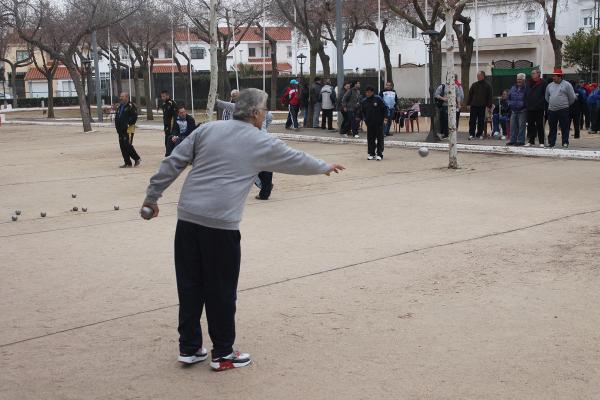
(83, 106)
(274, 76)
(13, 82)
(325, 61)
(136, 88)
(223, 79)
(50, 97)
(556, 46)
(436, 78)
(386, 57)
(214, 65)
(118, 83)
(147, 99)
(451, 88)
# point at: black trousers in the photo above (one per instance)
(207, 266)
(562, 119)
(375, 139)
(126, 145)
(584, 120)
(476, 117)
(444, 121)
(575, 115)
(535, 126)
(327, 115)
(266, 184)
(345, 127)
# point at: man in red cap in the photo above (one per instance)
(559, 95)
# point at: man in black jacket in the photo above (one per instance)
(315, 92)
(373, 112)
(480, 98)
(169, 109)
(125, 119)
(183, 126)
(535, 102)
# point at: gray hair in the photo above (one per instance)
(521, 75)
(250, 102)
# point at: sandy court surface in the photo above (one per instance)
(394, 280)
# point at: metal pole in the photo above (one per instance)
(97, 73)
(340, 58)
(476, 36)
(264, 47)
(190, 71)
(172, 65)
(110, 69)
(129, 70)
(432, 136)
(426, 55)
(235, 63)
(379, 46)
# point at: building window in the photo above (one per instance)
(154, 53)
(587, 18)
(499, 25)
(530, 21)
(413, 32)
(168, 53)
(289, 51)
(198, 53)
(22, 55)
(251, 52)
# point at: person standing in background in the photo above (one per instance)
(184, 126)
(559, 96)
(518, 112)
(291, 100)
(373, 112)
(315, 92)
(535, 103)
(169, 110)
(125, 119)
(328, 99)
(480, 98)
(390, 98)
(351, 105)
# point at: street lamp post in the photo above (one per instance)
(301, 60)
(428, 36)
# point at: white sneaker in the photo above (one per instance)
(496, 134)
(378, 158)
(481, 137)
(200, 355)
(527, 144)
(502, 137)
(370, 158)
(471, 137)
(234, 360)
(542, 145)
(356, 136)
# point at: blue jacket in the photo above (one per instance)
(516, 98)
(593, 100)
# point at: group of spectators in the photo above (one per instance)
(523, 110)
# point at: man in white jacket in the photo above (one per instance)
(328, 100)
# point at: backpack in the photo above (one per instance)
(438, 102)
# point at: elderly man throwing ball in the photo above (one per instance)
(226, 157)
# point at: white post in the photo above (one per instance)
(190, 70)
(476, 36)
(129, 70)
(214, 67)
(426, 79)
(450, 87)
(543, 44)
(235, 63)
(379, 26)
(264, 47)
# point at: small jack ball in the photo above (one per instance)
(84, 209)
(74, 195)
(423, 151)
(116, 208)
(18, 212)
(75, 208)
(14, 217)
(43, 214)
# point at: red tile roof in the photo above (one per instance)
(33, 74)
(167, 69)
(281, 67)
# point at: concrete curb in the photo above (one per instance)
(466, 148)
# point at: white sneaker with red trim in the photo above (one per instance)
(233, 360)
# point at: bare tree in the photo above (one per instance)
(7, 40)
(58, 28)
(214, 62)
(465, 44)
(47, 67)
(550, 9)
(143, 31)
(274, 71)
(112, 53)
(235, 16)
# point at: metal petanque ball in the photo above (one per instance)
(14, 217)
(423, 151)
(43, 214)
(18, 212)
(116, 208)
(84, 209)
(147, 212)
(75, 208)
(73, 195)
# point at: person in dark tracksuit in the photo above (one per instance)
(169, 109)
(184, 125)
(480, 98)
(535, 102)
(374, 111)
(125, 119)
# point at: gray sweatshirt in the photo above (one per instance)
(226, 157)
(559, 95)
(227, 107)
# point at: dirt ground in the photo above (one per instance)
(395, 280)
